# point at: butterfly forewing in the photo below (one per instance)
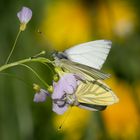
(92, 53)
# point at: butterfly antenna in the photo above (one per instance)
(64, 120)
(51, 49)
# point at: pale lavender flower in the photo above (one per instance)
(41, 96)
(24, 17)
(63, 94)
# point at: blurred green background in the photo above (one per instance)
(64, 23)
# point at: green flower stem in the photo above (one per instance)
(38, 59)
(32, 70)
(49, 68)
(13, 47)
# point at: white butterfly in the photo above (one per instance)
(86, 61)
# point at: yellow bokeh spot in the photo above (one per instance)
(66, 24)
(115, 18)
(124, 17)
(103, 21)
(76, 119)
(122, 119)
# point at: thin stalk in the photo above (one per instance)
(39, 59)
(32, 70)
(48, 67)
(13, 47)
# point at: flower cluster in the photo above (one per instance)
(63, 94)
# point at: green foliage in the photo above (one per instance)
(20, 118)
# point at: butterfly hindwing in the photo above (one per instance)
(96, 93)
(92, 107)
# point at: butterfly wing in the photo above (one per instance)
(92, 54)
(85, 60)
(95, 93)
(92, 107)
(88, 73)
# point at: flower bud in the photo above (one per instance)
(50, 89)
(41, 96)
(24, 17)
(36, 87)
(56, 77)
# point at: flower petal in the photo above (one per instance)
(59, 110)
(66, 84)
(58, 91)
(70, 80)
(41, 96)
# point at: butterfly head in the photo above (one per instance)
(59, 55)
